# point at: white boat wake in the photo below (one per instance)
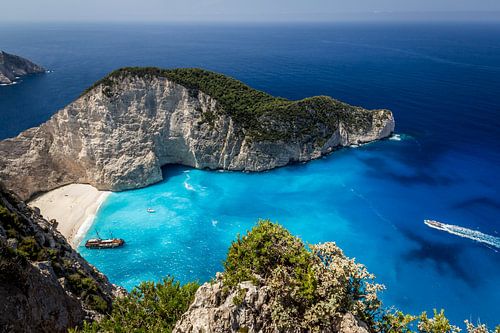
(465, 233)
(188, 186)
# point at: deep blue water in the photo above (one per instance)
(442, 82)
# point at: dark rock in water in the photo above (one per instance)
(13, 66)
(45, 285)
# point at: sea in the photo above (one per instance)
(442, 82)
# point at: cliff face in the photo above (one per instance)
(118, 135)
(45, 286)
(12, 66)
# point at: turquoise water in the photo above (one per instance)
(353, 197)
(442, 81)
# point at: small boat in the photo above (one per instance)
(435, 224)
(98, 243)
(151, 210)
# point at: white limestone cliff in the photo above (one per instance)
(120, 140)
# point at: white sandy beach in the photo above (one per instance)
(73, 206)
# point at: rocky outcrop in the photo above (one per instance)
(12, 67)
(32, 300)
(120, 133)
(45, 286)
(245, 308)
(217, 310)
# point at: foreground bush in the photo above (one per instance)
(398, 322)
(150, 307)
(311, 288)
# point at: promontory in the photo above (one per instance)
(13, 66)
(120, 132)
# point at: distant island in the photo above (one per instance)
(13, 66)
(124, 128)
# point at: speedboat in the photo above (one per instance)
(151, 210)
(434, 224)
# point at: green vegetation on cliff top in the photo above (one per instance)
(260, 115)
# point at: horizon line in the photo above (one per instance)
(337, 17)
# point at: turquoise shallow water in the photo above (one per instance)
(367, 199)
(442, 81)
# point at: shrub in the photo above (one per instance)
(262, 250)
(29, 248)
(480, 328)
(398, 322)
(438, 324)
(395, 322)
(12, 267)
(310, 288)
(150, 307)
(97, 303)
(87, 289)
(239, 297)
(10, 222)
(53, 254)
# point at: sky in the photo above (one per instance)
(246, 10)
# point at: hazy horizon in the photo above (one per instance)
(256, 11)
